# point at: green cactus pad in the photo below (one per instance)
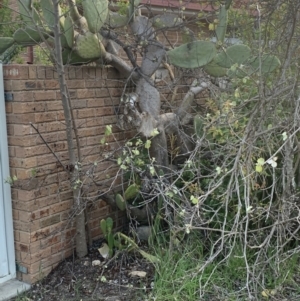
(213, 69)
(109, 224)
(28, 13)
(110, 242)
(192, 55)
(103, 226)
(115, 20)
(227, 4)
(69, 31)
(169, 20)
(240, 72)
(28, 36)
(268, 63)
(70, 57)
(120, 202)
(25, 7)
(5, 43)
(96, 12)
(236, 54)
(48, 13)
(222, 24)
(198, 126)
(89, 46)
(131, 192)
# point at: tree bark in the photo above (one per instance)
(81, 243)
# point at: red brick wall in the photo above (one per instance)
(42, 199)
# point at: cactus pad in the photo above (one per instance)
(268, 63)
(70, 57)
(69, 31)
(236, 54)
(28, 36)
(222, 24)
(116, 20)
(131, 192)
(5, 43)
(240, 72)
(109, 224)
(198, 126)
(120, 202)
(103, 226)
(192, 55)
(213, 69)
(96, 12)
(89, 46)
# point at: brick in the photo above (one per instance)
(23, 163)
(41, 72)
(44, 95)
(40, 213)
(59, 207)
(23, 96)
(32, 72)
(39, 234)
(28, 107)
(22, 129)
(103, 92)
(8, 109)
(49, 73)
(10, 129)
(15, 72)
(75, 84)
(95, 83)
(78, 103)
(54, 105)
(85, 93)
(21, 118)
(51, 84)
(7, 85)
(48, 116)
(96, 102)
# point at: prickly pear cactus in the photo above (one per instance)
(215, 70)
(120, 202)
(95, 12)
(48, 13)
(267, 63)
(198, 126)
(29, 36)
(236, 54)
(131, 192)
(5, 43)
(222, 24)
(69, 31)
(192, 55)
(89, 46)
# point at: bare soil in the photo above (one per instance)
(80, 279)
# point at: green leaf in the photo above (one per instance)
(147, 144)
(108, 130)
(194, 200)
(152, 170)
(284, 136)
(258, 168)
(260, 161)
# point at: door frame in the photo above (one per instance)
(6, 202)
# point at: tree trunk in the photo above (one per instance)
(81, 244)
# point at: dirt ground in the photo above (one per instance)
(93, 278)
